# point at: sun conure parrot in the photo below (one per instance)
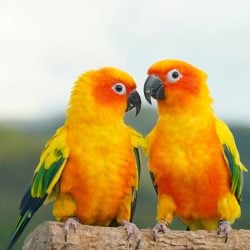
(193, 160)
(90, 168)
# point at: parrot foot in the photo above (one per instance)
(131, 229)
(70, 222)
(160, 226)
(224, 226)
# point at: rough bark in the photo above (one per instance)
(50, 235)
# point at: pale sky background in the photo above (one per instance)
(45, 45)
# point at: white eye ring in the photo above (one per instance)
(119, 88)
(174, 75)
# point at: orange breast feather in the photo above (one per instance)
(189, 167)
(99, 176)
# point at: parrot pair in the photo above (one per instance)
(91, 167)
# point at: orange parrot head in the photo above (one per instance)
(106, 92)
(175, 83)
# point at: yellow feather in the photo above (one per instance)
(137, 139)
(49, 156)
(227, 138)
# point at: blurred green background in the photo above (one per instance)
(22, 142)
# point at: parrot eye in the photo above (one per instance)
(119, 88)
(174, 75)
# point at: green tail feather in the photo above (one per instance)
(28, 207)
(22, 221)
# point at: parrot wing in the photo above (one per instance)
(153, 181)
(137, 141)
(50, 167)
(45, 180)
(135, 189)
(232, 158)
(148, 139)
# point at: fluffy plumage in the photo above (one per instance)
(193, 158)
(90, 168)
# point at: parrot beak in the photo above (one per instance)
(153, 87)
(134, 101)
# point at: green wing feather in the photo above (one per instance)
(135, 189)
(148, 139)
(232, 158)
(137, 141)
(50, 167)
(43, 185)
(153, 181)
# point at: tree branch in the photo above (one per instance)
(50, 235)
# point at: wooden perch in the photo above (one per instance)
(50, 235)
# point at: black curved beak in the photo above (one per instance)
(134, 101)
(153, 87)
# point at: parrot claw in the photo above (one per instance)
(132, 229)
(224, 226)
(70, 222)
(160, 227)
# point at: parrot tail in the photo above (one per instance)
(28, 207)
